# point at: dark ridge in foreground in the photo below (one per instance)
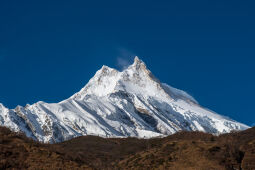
(183, 150)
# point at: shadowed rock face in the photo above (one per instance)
(183, 150)
(131, 103)
(145, 115)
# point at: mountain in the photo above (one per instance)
(117, 104)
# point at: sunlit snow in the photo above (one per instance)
(117, 104)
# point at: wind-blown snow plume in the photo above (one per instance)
(123, 63)
(124, 58)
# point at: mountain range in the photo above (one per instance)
(128, 103)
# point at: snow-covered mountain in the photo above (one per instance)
(117, 104)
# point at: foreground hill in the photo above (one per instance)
(130, 103)
(183, 150)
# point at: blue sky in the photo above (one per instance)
(50, 49)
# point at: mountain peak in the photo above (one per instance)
(138, 62)
(105, 70)
(139, 65)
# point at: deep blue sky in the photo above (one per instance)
(50, 49)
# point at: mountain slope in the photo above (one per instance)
(117, 104)
(228, 151)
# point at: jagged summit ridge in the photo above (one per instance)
(116, 103)
(107, 80)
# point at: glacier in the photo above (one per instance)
(128, 103)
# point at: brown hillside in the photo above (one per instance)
(184, 150)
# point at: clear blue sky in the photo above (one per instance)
(50, 49)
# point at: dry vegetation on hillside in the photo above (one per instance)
(184, 150)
